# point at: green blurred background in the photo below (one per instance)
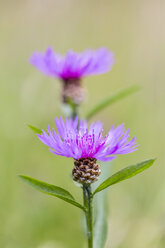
(132, 30)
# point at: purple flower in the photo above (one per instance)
(73, 65)
(74, 139)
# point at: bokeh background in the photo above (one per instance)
(133, 30)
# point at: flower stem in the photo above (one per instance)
(88, 198)
(74, 111)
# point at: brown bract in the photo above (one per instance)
(86, 170)
(72, 89)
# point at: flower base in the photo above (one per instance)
(86, 170)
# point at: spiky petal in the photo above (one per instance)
(74, 139)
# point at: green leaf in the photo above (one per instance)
(112, 99)
(35, 129)
(101, 210)
(51, 190)
(125, 174)
(100, 225)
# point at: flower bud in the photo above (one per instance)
(86, 170)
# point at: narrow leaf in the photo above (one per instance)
(112, 99)
(100, 225)
(101, 210)
(35, 129)
(125, 174)
(51, 190)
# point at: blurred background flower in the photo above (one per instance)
(131, 29)
(72, 67)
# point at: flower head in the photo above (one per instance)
(74, 139)
(71, 68)
(73, 65)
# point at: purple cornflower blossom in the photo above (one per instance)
(71, 68)
(73, 65)
(74, 139)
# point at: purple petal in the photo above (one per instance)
(73, 65)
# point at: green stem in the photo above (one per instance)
(88, 198)
(74, 108)
(74, 111)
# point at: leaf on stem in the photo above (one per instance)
(51, 190)
(112, 99)
(35, 129)
(101, 210)
(124, 174)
